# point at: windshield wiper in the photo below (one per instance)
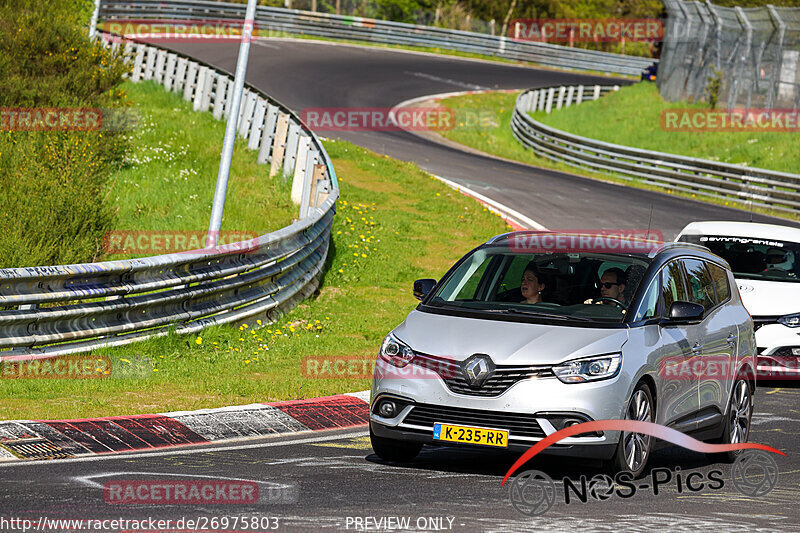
(513, 310)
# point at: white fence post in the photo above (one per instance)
(257, 125)
(549, 106)
(279, 144)
(267, 134)
(219, 96)
(299, 169)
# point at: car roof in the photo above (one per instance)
(661, 251)
(753, 230)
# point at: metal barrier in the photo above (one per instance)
(755, 50)
(753, 186)
(376, 31)
(53, 310)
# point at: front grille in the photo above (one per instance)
(503, 378)
(517, 424)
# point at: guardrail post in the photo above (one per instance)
(257, 125)
(267, 134)
(560, 97)
(321, 186)
(596, 92)
(579, 98)
(308, 178)
(180, 74)
(150, 62)
(219, 96)
(188, 85)
(169, 74)
(570, 92)
(549, 106)
(136, 75)
(246, 120)
(93, 22)
(291, 149)
(244, 99)
(542, 98)
(279, 145)
(534, 100)
(303, 147)
(161, 59)
(198, 90)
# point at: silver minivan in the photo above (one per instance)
(520, 339)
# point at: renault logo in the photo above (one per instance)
(477, 369)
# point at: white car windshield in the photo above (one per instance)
(580, 286)
(750, 258)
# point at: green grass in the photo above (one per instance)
(610, 119)
(167, 182)
(394, 205)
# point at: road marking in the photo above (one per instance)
(498, 207)
(357, 443)
(448, 81)
(210, 448)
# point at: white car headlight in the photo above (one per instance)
(396, 352)
(589, 368)
(792, 321)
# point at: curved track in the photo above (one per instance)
(305, 74)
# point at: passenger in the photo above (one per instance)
(532, 285)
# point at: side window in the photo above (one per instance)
(672, 289)
(468, 291)
(512, 278)
(701, 286)
(649, 305)
(720, 277)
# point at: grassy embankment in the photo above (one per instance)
(629, 117)
(382, 241)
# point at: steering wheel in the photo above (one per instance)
(613, 301)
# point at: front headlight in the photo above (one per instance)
(396, 352)
(589, 369)
(791, 321)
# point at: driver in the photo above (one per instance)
(612, 285)
(778, 259)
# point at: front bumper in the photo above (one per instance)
(778, 352)
(529, 410)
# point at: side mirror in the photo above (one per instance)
(685, 312)
(422, 287)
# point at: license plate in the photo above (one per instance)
(470, 435)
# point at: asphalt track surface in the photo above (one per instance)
(332, 480)
(327, 480)
(303, 74)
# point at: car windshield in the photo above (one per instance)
(577, 287)
(764, 259)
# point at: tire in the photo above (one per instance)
(737, 420)
(633, 449)
(394, 451)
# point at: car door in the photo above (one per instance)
(679, 399)
(718, 338)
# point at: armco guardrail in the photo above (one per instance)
(761, 187)
(118, 302)
(297, 22)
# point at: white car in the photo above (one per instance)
(765, 260)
